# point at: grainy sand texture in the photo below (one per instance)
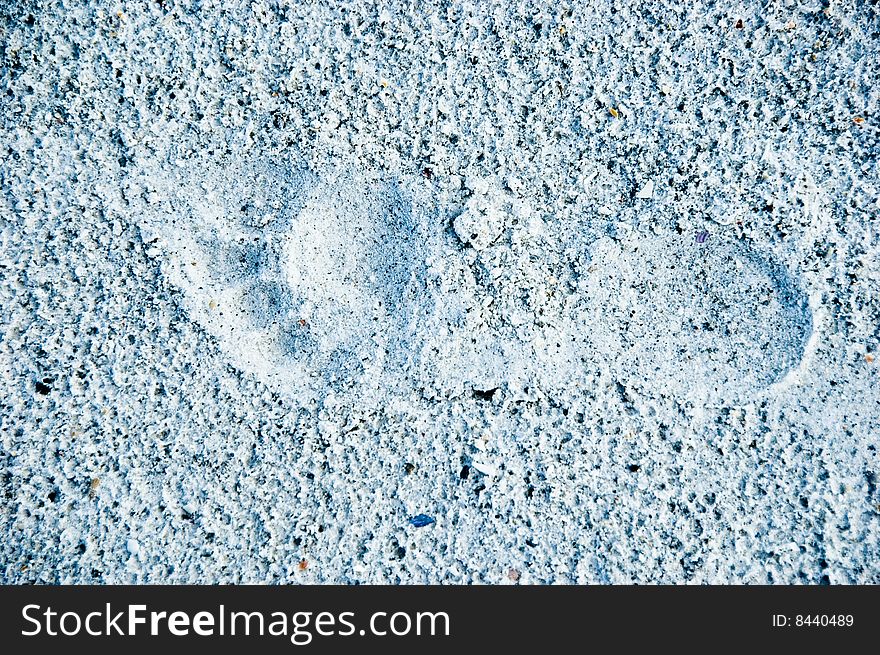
(457, 292)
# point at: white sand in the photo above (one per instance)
(596, 288)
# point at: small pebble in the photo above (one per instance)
(421, 520)
(646, 191)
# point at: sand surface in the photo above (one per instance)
(593, 286)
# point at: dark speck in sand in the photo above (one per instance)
(421, 520)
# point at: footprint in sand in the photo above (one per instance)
(317, 283)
